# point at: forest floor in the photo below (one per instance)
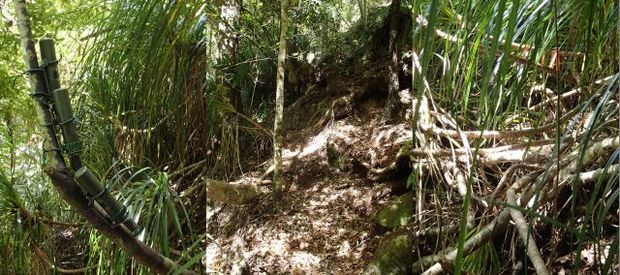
(337, 147)
(326, 221)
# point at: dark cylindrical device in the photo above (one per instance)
(115, 210)
(71, 140)
(64, 114)
(50, 63)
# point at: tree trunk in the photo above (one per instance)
(57, 170)
(363, 13)
(277, 126)
(393, 105)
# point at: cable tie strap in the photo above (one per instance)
(47, 63)
(34, 70)
(91, 201)
(103, 191)
(39, 94)
(52, 149)
(101, 214)
(66, 121)
(42, 97)
(122, 214)
(51, 123)
(72, 147)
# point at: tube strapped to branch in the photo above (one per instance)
(57, 170)
(115, 212)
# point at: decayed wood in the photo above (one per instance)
(61, 177)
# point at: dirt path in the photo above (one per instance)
(326, 224)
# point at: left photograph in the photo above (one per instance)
(104, 137)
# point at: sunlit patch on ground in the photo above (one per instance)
(326, 222)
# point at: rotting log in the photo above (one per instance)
(61, 176)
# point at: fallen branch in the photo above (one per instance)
(591, 176)
(568, 166)
(594, 151)
(490, 134)
(568, 94)
(527, 239)
(507, 175)
(484, 235)
(532, 145)
(494, 227)
(491, 155)
(456, 180)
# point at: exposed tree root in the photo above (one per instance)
(591, 176)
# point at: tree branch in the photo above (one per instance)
(526, 237)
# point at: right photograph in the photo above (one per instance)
(408, 137)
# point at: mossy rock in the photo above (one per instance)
(397, 212)
(393, 256)
(230, 193)
(334, 157)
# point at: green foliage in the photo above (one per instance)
(19, 230)
(76, 27)
(485, 260)
(143, 77)
(475, 75)
(26, 196)
(164, 218)
(156, 84)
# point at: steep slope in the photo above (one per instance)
(334, 143)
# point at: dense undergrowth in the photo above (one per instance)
(516, 130)
(508, 114)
